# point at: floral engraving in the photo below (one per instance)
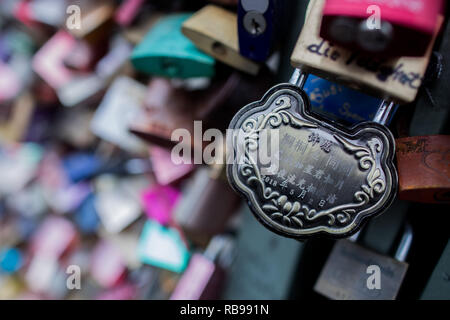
(294, 214)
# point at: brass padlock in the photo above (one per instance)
(424, 168)
(214, 30)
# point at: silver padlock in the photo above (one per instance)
(329, 179)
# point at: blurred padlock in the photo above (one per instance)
(259, 26)
(168, 107)
(386, 28)
(12, 287)
(48, 62)
(424, 168)
(166, 52)
(55, 238)
(164, 169)
(397, 78)
(11, 260)
(96, 21)
(127, 11)
(214, 30)
(14, 128)
(159, 202)
(117, 201)
(120, 105)
(201, 213)
(163, 247)
(340, 103)
(353, 272)
(205, 275)
(107, 265)
(10, 84)
(86, 216)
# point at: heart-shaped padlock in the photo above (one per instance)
(328, 179)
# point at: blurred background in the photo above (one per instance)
(91, 205)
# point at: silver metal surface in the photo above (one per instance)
(384, 112)
(330, 179)
(298, 78)
(405, 244)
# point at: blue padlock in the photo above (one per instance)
(81, 166)
(259, 25)
(340, 103)
(11, 260)
(86, 217)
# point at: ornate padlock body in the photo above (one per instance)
(329, 179)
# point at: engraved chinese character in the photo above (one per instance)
(311, 188)
(328, 179)
(331, 198)
(288, 140)
(319, 174)
(314, 138)
(302, 194)
(310, 202)
(284, 184)
(308, 169)
(300, 146)
(301, 184)
(281, 174)
(291, 179)
(326, 146)
(333, 163)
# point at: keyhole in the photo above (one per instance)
(254, 23)
(255, 26)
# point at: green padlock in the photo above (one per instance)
(166, 52)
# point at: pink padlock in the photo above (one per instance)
(159, 201)
(382, 27)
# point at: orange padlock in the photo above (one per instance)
(423, 165)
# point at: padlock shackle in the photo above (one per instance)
(217, 246)
(384, 112)
(405, 243)
(355, 237)
(298, 78)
